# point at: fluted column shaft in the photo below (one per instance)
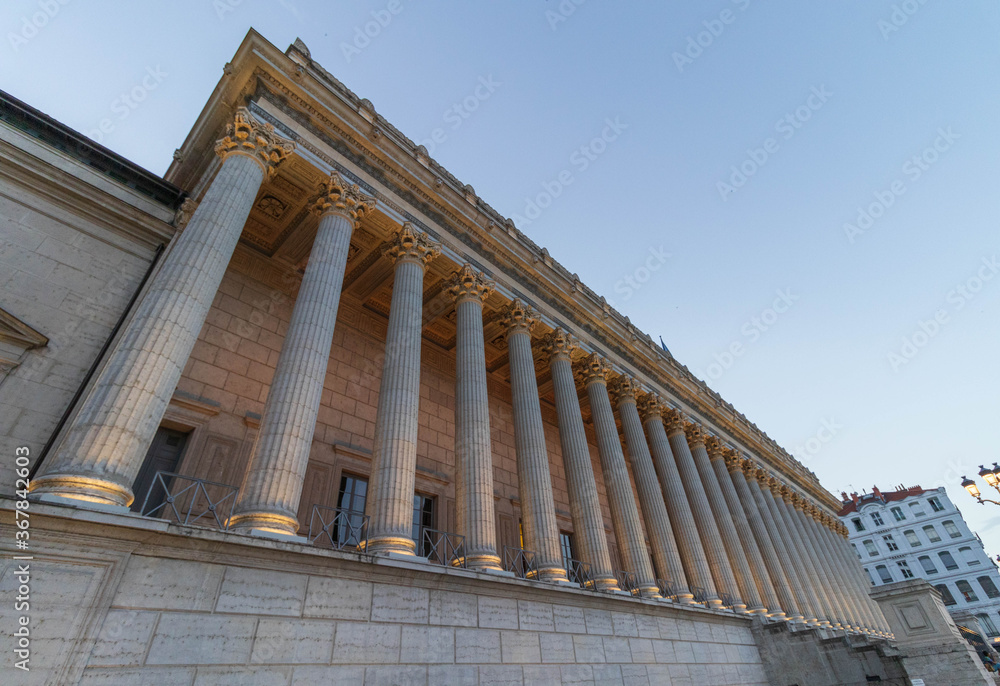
(708, 530)
(856, 617)
(107, 441)
(689, 546)
(269, 498)
(394, 457)
(651, 503)
(873, 619)
(810, 575)
(801, 610)
(761, 534)
(744, 532)
(821, 563)
(538, 509)
(747, 596)
(624, 512)
(783, 539)
(473, 450)
(585, 504)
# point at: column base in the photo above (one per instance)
(263, 523)
(552, 575)
(480, 562)
(686, 599)
(383, 545)
(713, 603)
(777, 616)
(758, 610)
(66, 501)
(87, 489)
(274, 535)
(497, 572)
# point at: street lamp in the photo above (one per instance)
(992, 479)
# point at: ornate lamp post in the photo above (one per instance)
(990, 476)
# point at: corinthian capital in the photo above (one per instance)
(468, 284)
(518, 318)
(714, 448)
(412, 245)
(337, 196)
(694, 432)
(247, 136)
(675, 422)
(624, 389)
(559, 343)
(650, 405)
(595, 369)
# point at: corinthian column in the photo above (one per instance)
(271, 491)
(394, 459)
(795, 506)
(105, 446)
(661, 536)
(538, 507)
(473, 454)
(593, 374)
(585, 506)
(838, 592)
(708, 530)
(689, 546)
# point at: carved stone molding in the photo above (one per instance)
(517, 318)
(694, 433)
(650, 405)
(675, 422)
(338, 196)
(559, 343)
(623, 389)
(595, 369)
(714, 448)
(412, 245)
(247, 136)
(468, 284)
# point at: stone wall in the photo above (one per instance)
(123, 599)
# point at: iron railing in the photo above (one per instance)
(579, 572)
(667, 589)
(699, 593)
(194, 501)
(338, 528)
(520, 561)
(443, 548)
(728, 601)
(627, 581)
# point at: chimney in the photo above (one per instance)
(877, 493)
(843, 496)
(854, 497)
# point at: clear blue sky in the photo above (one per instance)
(867, 91)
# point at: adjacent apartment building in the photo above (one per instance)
(916, 532)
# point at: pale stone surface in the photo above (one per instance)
(588, 648)
(498, 613)
(501, 675)
(624, 624)
(337, 675)
(427, 644)
(188, 638)
(541, 675)
(338, 598)
(456, 675)
(535, 616)
(598, 621)
(569, 619)
(157, 582)
(556, 648)
(242, 676)
(616, 649)
(477, 645)
(286, 641)
(161, 676)
(396, 676)
(453, 609)
(810, 576)
(399, 604)
(379, 643)
(520, 646)
(257, 591)
(642, 650)
(124, 638)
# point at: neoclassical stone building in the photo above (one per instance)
(308, 410)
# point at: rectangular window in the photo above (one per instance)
(870, 578)
(351, 503)
(870, 547)
(936, 504)
(890, 543)
(916, 510)
(877, 518)
(988, 626)
(947, 560)
(951, 529)
(989, 588)
(965, 588)
(855, 548)
(968, 556)
(904, 567)
(897, 512)
(566, 544)
(858, 526)
(911, 538)
(932, 534)
(946, 595)
(925, 562)
(884, 574)
(423, 518)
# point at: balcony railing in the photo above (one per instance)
(190, 504)
(627, 582)
(728, 601)
(337, 528)
(443, 548)
(667, 588)
(699, 593)
(520, 561)
(579, 573)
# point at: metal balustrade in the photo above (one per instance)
(338, 528)
(728, 601)
(579, 573)
(194, 500)
(520, 561)
(443, 548)
(700, 594)
(627, 581)
(667, 589)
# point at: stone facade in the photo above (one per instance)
(341, 346)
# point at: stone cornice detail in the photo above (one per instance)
(594, 369)
(468, 284)
(518, 317)
(410, 245)
(559, 343)
(337, 196)
(248, 136)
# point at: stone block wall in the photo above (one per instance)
(123, 599)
